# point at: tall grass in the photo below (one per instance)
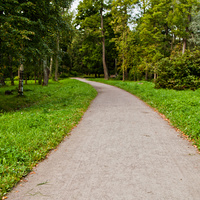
(32, 125)
(182, 108)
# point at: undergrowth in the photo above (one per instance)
(32, 125)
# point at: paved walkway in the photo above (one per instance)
(121, 150)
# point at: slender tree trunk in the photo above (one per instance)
(21, 71)
(26, 79)
(45, 72)
(35, 76)
(146, 75)
(56, 58)
(50, 66)
(123, 68)
(115, 66)
(155, 76)
(187, 31)
(103, 47)
(184, 45)
(11, 71)
(173, 40)
(2, 80)
(40, 73)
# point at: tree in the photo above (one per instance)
(90, 19)
(180, 19)
(195, 29)
(121, 14)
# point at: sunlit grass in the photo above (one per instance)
(182, 108)
(32, 125)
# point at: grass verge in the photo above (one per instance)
(32, 125)
(182, 108)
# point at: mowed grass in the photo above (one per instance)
(182, 108)
(32, 125)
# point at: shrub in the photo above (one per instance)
(179, 71)
(16, 78)
(64, 75)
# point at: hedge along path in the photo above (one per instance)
(121, 150)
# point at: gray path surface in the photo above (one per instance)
(121, 150)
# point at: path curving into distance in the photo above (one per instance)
(121, 150)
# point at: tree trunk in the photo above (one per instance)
(184, 45)
(173, 40)
(35, 74)
(40, 73)
(187, 31)
(11, 71)
(50, 66)
(20, 72)
(103, 47)
(123, 68)
(2, 81)
(45, 72)
(155, 76)
(146, 75)
(26, 79)
(56, 57)
(115, 66)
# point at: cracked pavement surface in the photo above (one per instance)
(121, 150)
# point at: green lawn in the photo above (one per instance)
(182, 108)
(32, 125)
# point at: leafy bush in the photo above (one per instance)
(64, 75)
(179, 71)
(16, 78)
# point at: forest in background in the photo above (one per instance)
(129, 39)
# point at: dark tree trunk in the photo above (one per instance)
(56, 57)
(40, 73)
(26, 79)
(184, 45)
(187, 31)
(45, 72)
(146, 75)
(11, 71)
(50, 66)
(123, 79)
(115, 66)
(103, 47)
(35, 77)
(2, 80)
(21, 87)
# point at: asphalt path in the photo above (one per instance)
(121, 150)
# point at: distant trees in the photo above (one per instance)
(130, 38)
(91, 20)
(30, 35)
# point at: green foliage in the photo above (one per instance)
(182, 108)
(88, 21)
(179, 71)
(43, 117)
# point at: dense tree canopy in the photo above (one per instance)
(131, 39)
